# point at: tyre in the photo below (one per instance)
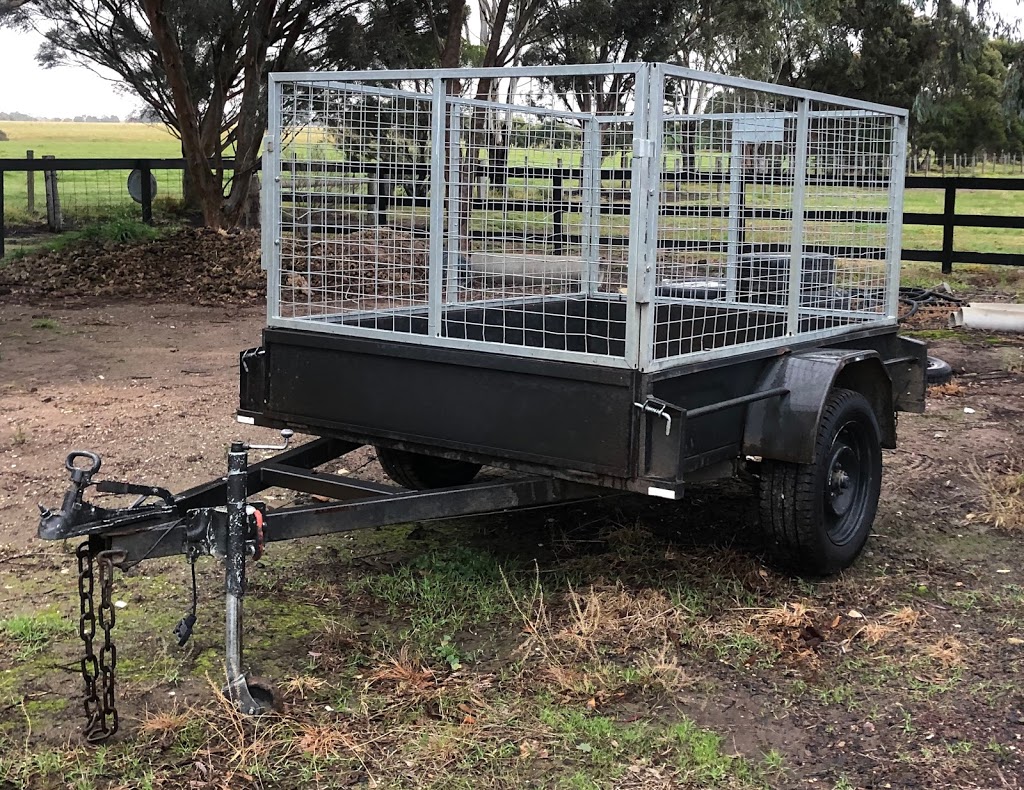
(817, 516)
(938, 371)
(418, 471)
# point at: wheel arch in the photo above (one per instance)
(784, 429)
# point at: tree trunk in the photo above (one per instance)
(208, 188)
(452, 51)
(248, 130)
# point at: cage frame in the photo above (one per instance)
(647, 116)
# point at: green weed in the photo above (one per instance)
(31, 633)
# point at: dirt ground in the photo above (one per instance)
(618, 645)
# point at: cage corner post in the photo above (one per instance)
(636, 280)
(796, 243)
(439, 113)
(897, 175)
(648, 195)
(270, 231)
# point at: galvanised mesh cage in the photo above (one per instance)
(632, 215)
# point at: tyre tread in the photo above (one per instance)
(419, 472)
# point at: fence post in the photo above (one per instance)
(30, 184)
(948, 210)
(147, 195)
(559, 217)
(54, 221)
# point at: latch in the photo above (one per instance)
(659, 408)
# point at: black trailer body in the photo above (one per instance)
(624, 430)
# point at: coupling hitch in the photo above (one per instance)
(78, 517)
(56, 525)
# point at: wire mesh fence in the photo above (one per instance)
(94, 195)
(65, 193)
(631, 215)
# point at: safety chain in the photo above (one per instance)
(98, 672)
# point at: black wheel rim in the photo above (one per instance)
(847, 483)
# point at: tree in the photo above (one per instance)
(875, 50)
(200, 65)
(970, 117)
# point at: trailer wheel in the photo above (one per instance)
(818, 515)
(938, 371)
(418, 471)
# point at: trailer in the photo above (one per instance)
(609, 280)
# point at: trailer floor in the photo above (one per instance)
(633, 644)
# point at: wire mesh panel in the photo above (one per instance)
(778, 215)
(630, 214)
(354, 203)
(455, 208)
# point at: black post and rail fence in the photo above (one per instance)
(560, 201)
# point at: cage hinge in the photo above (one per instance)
(642, 147)
(268, 144)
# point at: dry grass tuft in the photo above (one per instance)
(905, 618)
(662, 669)
(406, 679)
(302, 685)
(615, 616)
(949, 652)
(789, 615)
(888, 625)
(1002, 495)
(597, 638)
(165, 726)
(875, 632)
(324, 741)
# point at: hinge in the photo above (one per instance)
(642, 147)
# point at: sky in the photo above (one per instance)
(67, 91)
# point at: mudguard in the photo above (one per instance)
(785, 429)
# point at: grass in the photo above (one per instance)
(85, 194)
(458, 664)
(31, 633)
(121, 140)
(116, 229)
(437, 597)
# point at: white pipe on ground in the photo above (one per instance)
(993, 316)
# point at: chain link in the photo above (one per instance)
(87, 631)
(98, 672)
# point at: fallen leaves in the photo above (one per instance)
(192, 264)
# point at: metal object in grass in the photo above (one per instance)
(610, 280)
(137, 185)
